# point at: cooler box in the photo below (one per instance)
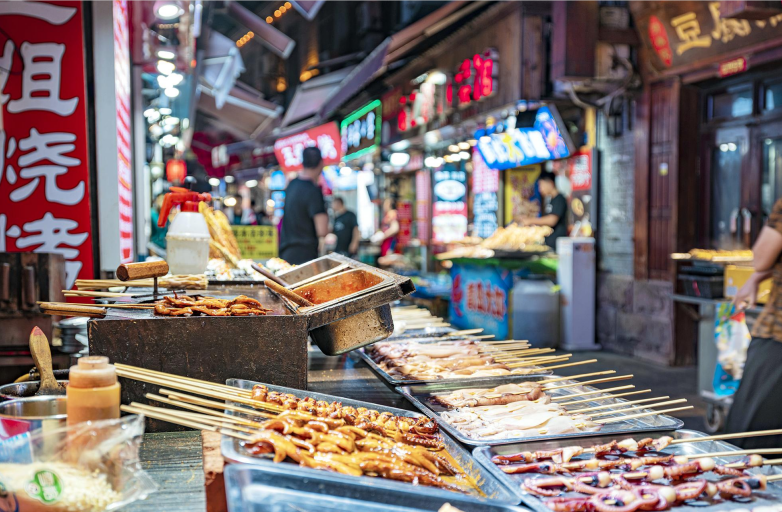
(735, 277)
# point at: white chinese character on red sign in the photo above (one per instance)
(41, 80)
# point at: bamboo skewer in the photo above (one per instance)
(756, 451)
(104, 295)
(606, 397)
(643, 415)
(594, 392)
(577, 363)
(558, 379)
(634, 402)
(179, 397)
(638, 407)
(766, 462)
(201, 418)
(198, 390)
(534, 362)
(588, 382)
(466, 332)
(203, 410)
(720, 437)
(48, 305)
(508, 354)
(172, 418)
(155, 373)
(134, 374)
(503, 342)
(774, 478)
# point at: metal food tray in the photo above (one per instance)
(420, 396)
(772, 496)
(488, 484)
(267, 488)
(397, 382)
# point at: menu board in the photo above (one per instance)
(449, 213)
(485, 184)
(256, 242)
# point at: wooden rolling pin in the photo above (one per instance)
(288, 294)
(268, 274)
(142, 270)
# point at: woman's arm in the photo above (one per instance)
(766, 252)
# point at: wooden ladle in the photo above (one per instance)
(42, 355)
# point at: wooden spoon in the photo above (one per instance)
(42, 355)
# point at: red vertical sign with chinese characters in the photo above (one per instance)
(122, 91)
(44, 167)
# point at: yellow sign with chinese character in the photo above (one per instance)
(519, 189)
(256, 242)
(681, 33)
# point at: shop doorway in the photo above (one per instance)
(741, 159)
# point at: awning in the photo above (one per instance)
(313, 94)
(244, 114)
(222, 65)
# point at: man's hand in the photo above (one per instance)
(748, 293)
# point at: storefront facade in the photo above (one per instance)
(703, 145)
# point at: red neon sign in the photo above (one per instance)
(326, 137)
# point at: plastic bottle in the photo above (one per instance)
(187, 240)
(93, 390)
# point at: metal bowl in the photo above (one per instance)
(28, 414)
(18, 390)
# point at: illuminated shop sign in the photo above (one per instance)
(288, 150)
(437, 93)
(522, 146)
(360, 131)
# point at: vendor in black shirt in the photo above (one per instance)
(554, 209)
(345, 229)
(304, 219)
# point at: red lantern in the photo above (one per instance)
(176, 170)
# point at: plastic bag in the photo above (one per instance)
(89, 467)
(731, 335)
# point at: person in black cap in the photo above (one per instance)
(304, 219)
(554, 209)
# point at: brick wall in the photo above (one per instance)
(633, 317)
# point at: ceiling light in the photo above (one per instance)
(215, 182)
(399, 159)
(171, 120)
(230, 201)
(269, 19)
(166, 54)
(149, 112)
(453, 148)
(723, 148)
(430, 161)
(283, 9)
(172, 92)
(464, 145)
(485, 139)
(439, 162)
(228, 178)
(465, 155)
(165, 67)
(165, 111)
(732, 146)
(168, 11)
(400, 146)
(277, 14)
(472, 142)
(251, 183)
(175, 78)
(288, 5)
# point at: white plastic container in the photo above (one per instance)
(187, 244)
(535, 312)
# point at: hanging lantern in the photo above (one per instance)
(176, 170)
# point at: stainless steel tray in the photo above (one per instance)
(488, 484)
(397, 382)
(420, 395)
(277, 489)
(772, 496)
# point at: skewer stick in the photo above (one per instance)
(606, 397)
(534, 362)
(203, 410)
(577, 363)
(623, 404)
(522, 347)
(650, 413)
(205, 383)
(45, 305)
(593, 392)
(86, 293)
(199, 390)
(466, 332)
(588, 382)
(502, 342)
(594, 374)
(184, 422)
(766, 462)
(540, 359)
(774, 478)
(728, 436)
(173, 379)
(638, 407)
(180, 397)
(735, 453)
(201, 418)
(515, 353)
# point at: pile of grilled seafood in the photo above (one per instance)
(500, 395)
(441, 360)
(629, 475)
(357, 441)
(209, 306)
